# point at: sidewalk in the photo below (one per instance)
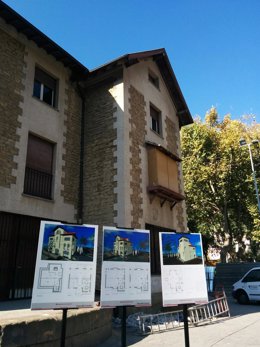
(242, 329)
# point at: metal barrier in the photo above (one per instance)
(214, 308)
(154, 323)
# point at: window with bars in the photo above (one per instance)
(45, 87)
(38, 179)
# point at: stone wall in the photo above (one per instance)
(85, 327)
(171, 136)
(137, 135)
(99, 157)
(71, 156)
(11, 86)
(173, 145)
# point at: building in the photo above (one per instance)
(40, 136)
(185, 250)
(78, 146)
(62, 243)
(122, 246)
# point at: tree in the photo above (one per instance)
(220, 196)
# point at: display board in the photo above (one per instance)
(182, 269)
(126, 272)
(65, 271)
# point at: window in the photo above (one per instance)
(154, 246)
(45, 87)
(39, 165)
(253, 276)
(155, 120)
(153, 79)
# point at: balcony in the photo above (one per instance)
(163, 175)
(38, 183)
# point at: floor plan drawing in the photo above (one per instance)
(174, 281)
(80, 280)
(50, 277)
(139, 279)
(115, 279)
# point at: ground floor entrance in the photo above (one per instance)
(18, 248)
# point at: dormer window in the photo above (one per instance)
(153, 79)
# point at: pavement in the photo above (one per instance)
(242, 329)
(19, 310)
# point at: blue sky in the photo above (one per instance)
(173, 241)
(140, 240)
(213, 45)
(81, 231)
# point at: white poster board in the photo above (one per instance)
(182, 269)
(65, 271)
(126, 271)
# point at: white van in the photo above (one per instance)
(248, 287)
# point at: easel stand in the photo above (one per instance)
(123, 327)
(63, 327)
(186, 325)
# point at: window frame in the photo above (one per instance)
(155, 119)
(44, 83)
(39, 180)
(153, 79)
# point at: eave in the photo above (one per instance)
(42, 41)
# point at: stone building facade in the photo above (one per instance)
(133, 178)
(77, 146)
(39, 145)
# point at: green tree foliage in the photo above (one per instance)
(220, 195)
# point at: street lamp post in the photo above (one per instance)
(244, 143)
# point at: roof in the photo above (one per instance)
(164, 65)
(32, 33)
(81, 72)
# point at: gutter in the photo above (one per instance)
(82, 151)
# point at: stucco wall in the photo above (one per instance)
(28, 114)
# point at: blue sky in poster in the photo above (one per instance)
(140, 240)
(173, 240)
(81, 232)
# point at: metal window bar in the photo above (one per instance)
(38, 183)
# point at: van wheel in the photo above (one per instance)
(242, 298)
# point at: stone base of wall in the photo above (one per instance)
(84, 328)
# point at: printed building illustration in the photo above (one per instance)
(185, 250)
(78, 146)
(122, 246)
(62, 243)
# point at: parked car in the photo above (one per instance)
(248, 287)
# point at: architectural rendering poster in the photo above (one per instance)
(126, 274)
(65, 271)
(182, 269)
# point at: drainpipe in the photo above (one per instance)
(81, 162)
